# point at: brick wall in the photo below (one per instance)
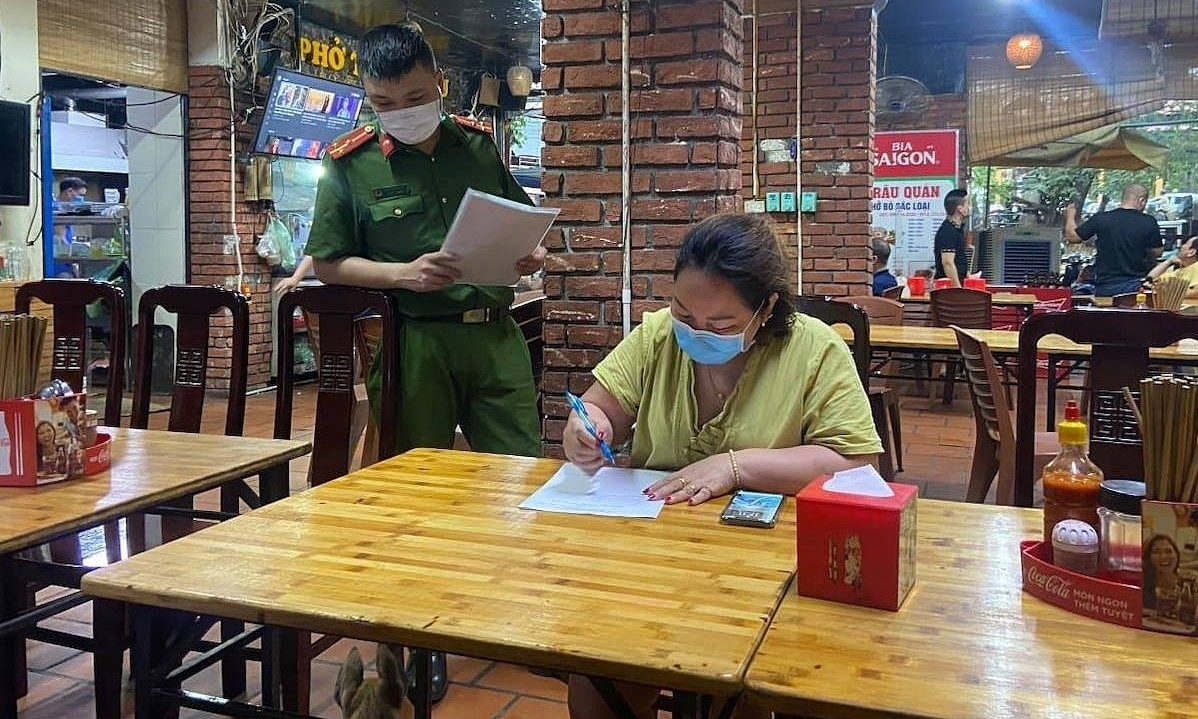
(686, 124)
(946, 112)
(208, 221)
(837, 130)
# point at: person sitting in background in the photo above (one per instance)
(1184, 264)
(729, 388)
(880, 256)
(72, 190)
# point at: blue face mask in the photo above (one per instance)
(708, 347)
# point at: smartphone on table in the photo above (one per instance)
(752, 509)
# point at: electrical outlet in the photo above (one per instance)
(788, 202)
(773, 202)
(754, 206)
(231, 243)
(807, 202)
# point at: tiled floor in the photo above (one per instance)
(938, 443)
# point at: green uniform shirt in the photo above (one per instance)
(392, 203)
(798, 389)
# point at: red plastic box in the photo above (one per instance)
(854, 549)
(45, 440)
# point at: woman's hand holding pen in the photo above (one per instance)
(581, 448)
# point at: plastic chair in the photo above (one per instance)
(970, 309)
(994, 440)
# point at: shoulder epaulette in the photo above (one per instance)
(350, 141)
(471, 124)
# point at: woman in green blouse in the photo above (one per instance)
(729, 387)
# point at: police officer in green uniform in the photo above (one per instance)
(388, 195)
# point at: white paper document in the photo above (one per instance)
(491, 234)
(610, 492)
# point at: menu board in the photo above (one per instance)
(913, 171)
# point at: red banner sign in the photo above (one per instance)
(919, 153)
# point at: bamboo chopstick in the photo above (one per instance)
(21, 341)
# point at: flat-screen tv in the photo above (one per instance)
(304, 114)
(14, 153)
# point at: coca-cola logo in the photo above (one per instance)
(1051, 583)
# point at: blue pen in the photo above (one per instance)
(579, 409)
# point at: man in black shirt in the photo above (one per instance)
(1128, 242)
(949, 245)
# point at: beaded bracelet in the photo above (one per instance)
(735, 470)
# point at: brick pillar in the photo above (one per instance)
(839, 49)
(208, 222)
(837, 130)
(686, 125)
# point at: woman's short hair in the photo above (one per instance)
(743, 250)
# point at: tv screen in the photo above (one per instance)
(14, 153)
(304, 114)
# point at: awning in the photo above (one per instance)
(1111, 148)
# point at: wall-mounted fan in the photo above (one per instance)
(899, 96)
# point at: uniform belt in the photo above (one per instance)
(479, 316)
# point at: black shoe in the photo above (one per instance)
(439, 678)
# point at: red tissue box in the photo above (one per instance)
(45, 440)
(856, 549)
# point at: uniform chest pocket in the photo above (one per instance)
(397, 208)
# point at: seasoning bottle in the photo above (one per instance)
(1071, 480)
(1141, 301)
(1075, 546)
(1119, 515)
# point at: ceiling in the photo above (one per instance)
(982, 21)
(467, 34)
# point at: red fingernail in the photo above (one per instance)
(670, 498)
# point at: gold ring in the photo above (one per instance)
(684, 482)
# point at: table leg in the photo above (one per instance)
(233, 666)
(688, 705)
(274, 483)
(108, 628)
(12, 595)
(144, 654)
(420, 693)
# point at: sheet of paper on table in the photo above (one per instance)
(610, 492)
(491, 234)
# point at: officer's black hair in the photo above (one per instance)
(744, 251)
(388, 52)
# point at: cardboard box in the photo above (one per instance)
(45, 440)
(1170, 574)
(856, 549)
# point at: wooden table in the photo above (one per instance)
(968, 642)
(429, 549)
(149, 468)
(999, 299)
(941, 342)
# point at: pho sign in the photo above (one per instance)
(327, 54)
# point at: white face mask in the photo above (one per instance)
(412, 125)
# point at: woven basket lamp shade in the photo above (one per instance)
(519, 80)
(1024, 49)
